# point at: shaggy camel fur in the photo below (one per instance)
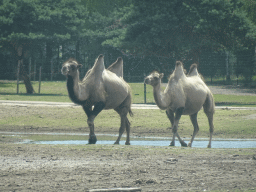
(100, 89)
(184, 95)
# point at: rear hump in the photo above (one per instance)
(193, 70)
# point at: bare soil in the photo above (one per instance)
(81, 168)
(30, 167)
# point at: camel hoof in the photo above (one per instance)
(116, 143)
(209, 146)
(92, 140)
(185, 144)
(127, 143)
(172, 144)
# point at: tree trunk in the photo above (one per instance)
(28, 85)
(26, 79)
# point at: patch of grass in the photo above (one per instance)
(235, 100)
(56, 91)
(228, 123)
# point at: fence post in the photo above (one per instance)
(51, 70)
(18, 76)
(40, 73)
(145, 90)
(145, 93)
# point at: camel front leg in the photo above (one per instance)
(170, 116)
(92, 136)
(178, 114)
(91, 114)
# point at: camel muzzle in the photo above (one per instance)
(64, 70)
(146, 81)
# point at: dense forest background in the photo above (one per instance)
(218, 35)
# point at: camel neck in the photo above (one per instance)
(72, 86)
(159, 97)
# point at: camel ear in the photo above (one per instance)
(161, 76)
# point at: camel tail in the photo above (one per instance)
(130, 112)
(209, 105)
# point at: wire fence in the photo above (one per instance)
(217, 79)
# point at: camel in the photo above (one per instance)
(100, 89)
(183, 95)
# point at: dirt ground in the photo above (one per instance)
(85, 167)
(31, 167)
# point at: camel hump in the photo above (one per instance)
(99, 64)
(179, 70)
(193, 70)
(179, 63)
(117, 67)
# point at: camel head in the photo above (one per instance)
(70, 67)
(154, 78)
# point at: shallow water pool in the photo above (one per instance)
(196, 143)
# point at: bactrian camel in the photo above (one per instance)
(184, 95)
(100, 89)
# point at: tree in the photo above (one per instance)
(181, 29)
(36, 25)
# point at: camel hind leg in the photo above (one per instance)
(209, 111)
(124, 124)
(193, 119)
(123, 110)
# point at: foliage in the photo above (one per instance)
(179, 28)
(51, 20)
(147, 34)
(37, 26)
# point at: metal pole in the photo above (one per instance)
(18, 76)
(40, 72)
(35, 71)
(145, 93)
(227, 67)
(51, 70)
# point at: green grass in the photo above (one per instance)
(56, 91)
(228, 123)
(235, 100)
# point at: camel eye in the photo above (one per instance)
(73, 67)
